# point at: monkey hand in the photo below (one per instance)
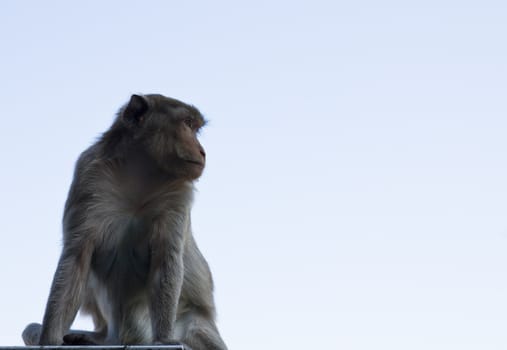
(172, 342)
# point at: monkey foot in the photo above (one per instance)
(78, 339)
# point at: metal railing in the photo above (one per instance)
(95, 347)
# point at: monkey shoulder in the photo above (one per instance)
(87, 158)
(86, 166)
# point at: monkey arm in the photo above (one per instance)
(65, 295)
(167, 258)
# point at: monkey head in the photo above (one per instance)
(165, 130)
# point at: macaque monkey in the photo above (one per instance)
(129, 258)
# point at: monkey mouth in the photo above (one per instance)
(195, 162)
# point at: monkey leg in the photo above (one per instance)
(201, 333)
(31, 336)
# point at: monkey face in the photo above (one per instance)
(188, 149)
(166, 129)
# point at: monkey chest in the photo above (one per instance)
(125, 255)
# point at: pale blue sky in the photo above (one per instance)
(356, 189)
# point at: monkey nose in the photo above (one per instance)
(203, 154)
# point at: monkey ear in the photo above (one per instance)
(137, 106)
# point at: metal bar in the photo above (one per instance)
(95, 347)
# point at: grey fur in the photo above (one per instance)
(129, 257)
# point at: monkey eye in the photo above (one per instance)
(190, 123)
